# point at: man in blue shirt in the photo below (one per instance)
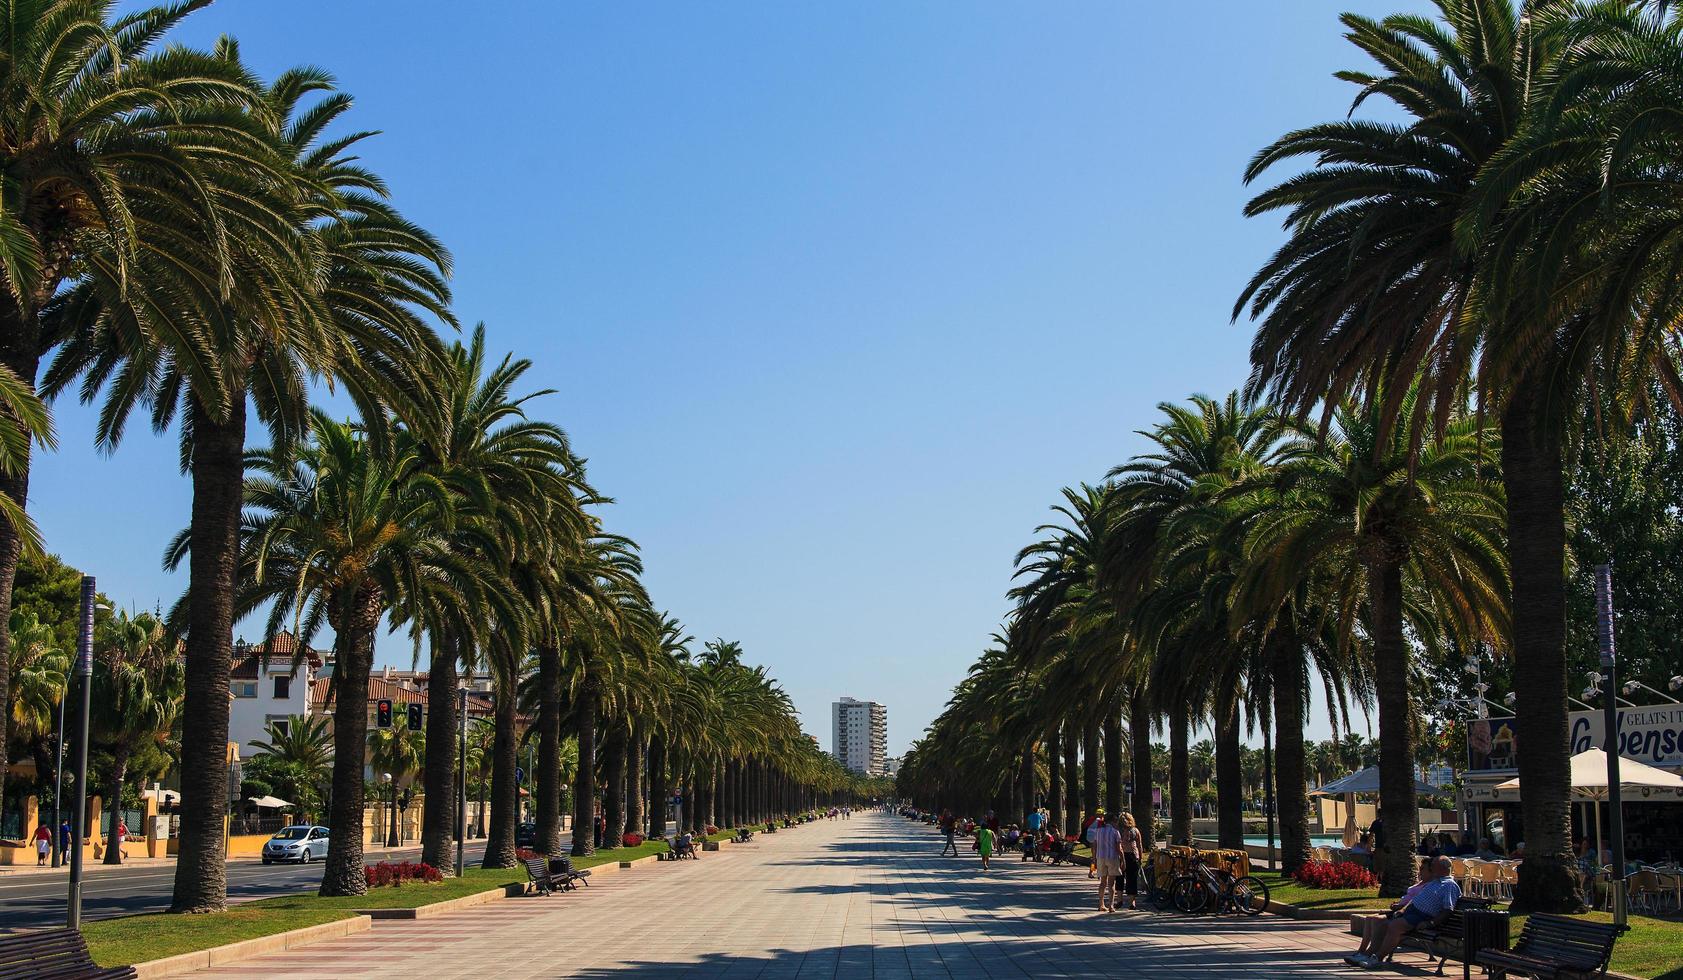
(1435, 900)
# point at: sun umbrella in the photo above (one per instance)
(269, 801)
(1589, 780)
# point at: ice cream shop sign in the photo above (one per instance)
(1651, 734)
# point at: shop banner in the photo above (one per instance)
(1652, 734)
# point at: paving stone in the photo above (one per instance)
(866, 897)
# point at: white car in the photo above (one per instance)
(301, 843)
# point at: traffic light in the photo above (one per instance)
(383, 713)
(414, 709)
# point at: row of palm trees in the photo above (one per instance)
(181, 237)
(1211, 580)
(1508, 249)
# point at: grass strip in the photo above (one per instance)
(137, 938)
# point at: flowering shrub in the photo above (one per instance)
(1325, 874)
(632, 839)
(524, 854)
(711, 830)
(386, 873)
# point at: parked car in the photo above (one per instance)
(302, 843)
(526, 835)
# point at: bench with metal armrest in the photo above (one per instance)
(52, 954)
(1553, 946)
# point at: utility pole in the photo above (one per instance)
(84, 670)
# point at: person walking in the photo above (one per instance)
(1107, 860)
(43, 844)
(1086, 838)
(984, 844)
(64, 840)
(949, 827)
(122, 838)
(1133, 847)
(1034, 822)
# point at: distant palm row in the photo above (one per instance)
(1510, 251)
(185, 239)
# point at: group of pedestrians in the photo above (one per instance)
(1118, 848)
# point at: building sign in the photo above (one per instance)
(1653, 735)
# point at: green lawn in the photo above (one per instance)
(136, 938)
(1287, 890)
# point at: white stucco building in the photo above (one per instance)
(859, 735)
(265, 685)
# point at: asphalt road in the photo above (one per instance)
(35, 901)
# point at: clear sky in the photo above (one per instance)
(836, 296)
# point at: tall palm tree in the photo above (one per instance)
(340, 532)
(137, 685)
(1399, 536)
(302, 746)
(113, 153)
(327, 279)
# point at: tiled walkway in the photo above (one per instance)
(866, 897)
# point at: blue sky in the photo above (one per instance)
(835, 296)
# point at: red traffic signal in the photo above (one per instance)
(383, 713)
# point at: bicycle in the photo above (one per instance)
(1203, 887)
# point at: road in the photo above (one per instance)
(34, 901)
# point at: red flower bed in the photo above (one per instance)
(711, 830)
(632, 839)
(524, 854)
(386, 873)
(1325, 874)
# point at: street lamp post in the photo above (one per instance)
(1609, 666)
(84, 670)
(461, 784)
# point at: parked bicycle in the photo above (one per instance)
(1207, 889)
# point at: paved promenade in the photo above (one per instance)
(866, 897)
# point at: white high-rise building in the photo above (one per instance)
(859, 731)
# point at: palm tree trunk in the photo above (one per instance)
(1230, 781)
(1291, 691)
(1072, 781)
(1026, 784)
(613, 790)
(1532, 459)
(438, 779)
(114, 802)
(353, 654)
(1180, 775)
(218, 472)
(584, 783)
(505, 790)
(1396, 860)
(1055, 789)
(1090, 768)
(1139, 735)
(659, 792)
(548, 780)
(1112, 765)
(634, 782)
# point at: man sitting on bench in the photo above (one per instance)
(1431, 903)
(1374, 926)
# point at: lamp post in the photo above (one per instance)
(461, 783)
(1609, 666)
(84, 670)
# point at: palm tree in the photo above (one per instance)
(1387, 278)
(327, 279)
(137, 685)
(516, 478)
(302, 746)
(1396, 535)
(339, 532)
(109, 160)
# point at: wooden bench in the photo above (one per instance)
(562, 872)
(538, 878)
(1553, 946)
(51, 954)
(1447, 939)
